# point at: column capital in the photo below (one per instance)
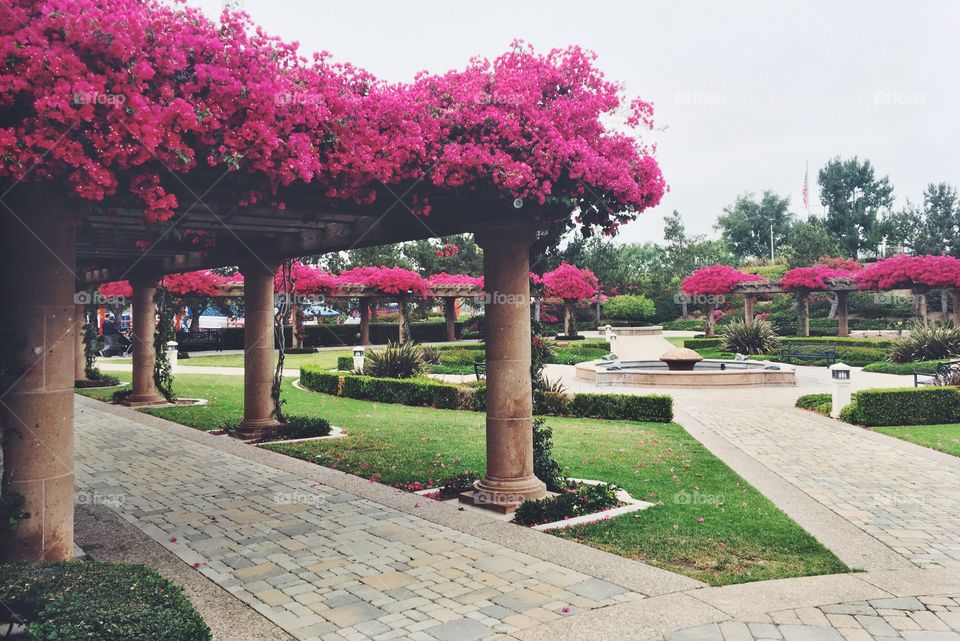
(257, 267)
(507, 233)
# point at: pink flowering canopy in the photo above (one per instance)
(117, 288)
(203, 283)
(444, 278)
(130, 100)
(389, 280)
(910, 271)
(306, 280)
(715, 279)
(815, 277)
(839, 262)
(570, 283)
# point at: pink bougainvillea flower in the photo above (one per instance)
(815, 277)
(570, 283)
(715, 279)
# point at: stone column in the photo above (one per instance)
(805, 314)
(450, 315)
(36, 413)
(843, 313)
(258, 363)
(403, 322)
(955, 295)
(144, 356)
(364, 321)
(748, 315)
(80, 359)
(922, 307)
(711, 321)
(506, 266)
(569, 322)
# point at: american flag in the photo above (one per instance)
(805, 194)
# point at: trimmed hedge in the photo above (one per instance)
(904, 406)
(701, 343)
(819, 403)
(345, 363)
(654, 408)
(903, 369)
(429, 393)
(93, 601)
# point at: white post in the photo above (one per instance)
(172, 355)
(840, 374)
(358, 359)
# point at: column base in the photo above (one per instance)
(254, 429)
(143, 400)
(504, 495)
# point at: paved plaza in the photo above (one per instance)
(322, 555)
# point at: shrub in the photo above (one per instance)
(575, 500)
(395, 361)
(939, 340)
(903, 369)
(550, 403)
(460, 356)
(654, 407)
(755, 337)
(320, 380)
(819, 403)
(92, 601)
(545, 467)
(345, 363)
(120, 396)
(630, 307)
(904, 406)
(701, 343)
(301, 427)
(300, 350)
(431, 355)
(685, 325)
(453, 486)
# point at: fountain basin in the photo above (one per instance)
(705, 373)
(651, 330)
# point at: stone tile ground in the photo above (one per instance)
(892, 493)
(924, 618)
(319, 562)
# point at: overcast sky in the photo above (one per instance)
(746, 92)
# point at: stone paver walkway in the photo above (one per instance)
(320, 562)
(924, 618)
(895, 492)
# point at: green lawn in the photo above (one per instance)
(743, 537)
(945, 438)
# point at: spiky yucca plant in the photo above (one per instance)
(939, 340)
(395, 361)
(755, 337)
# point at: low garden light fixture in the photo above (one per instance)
(840, 373)
(358, 353)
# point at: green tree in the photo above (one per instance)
(854, 198)
(937, 234)
(807, 241)
(431, 256)
(746, 225)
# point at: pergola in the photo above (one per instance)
(217, 145)
(839, 286)
(365, 294)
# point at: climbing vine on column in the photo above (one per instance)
(283, 308)
(162, 370)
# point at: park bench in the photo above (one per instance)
(196, 341)
(795, 351)
(946, 371)
(480, 369)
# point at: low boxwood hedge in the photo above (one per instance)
(819, 403)
(904, 406)
(903, 369)
(345, 363)
(420, 392)
(93, 601)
